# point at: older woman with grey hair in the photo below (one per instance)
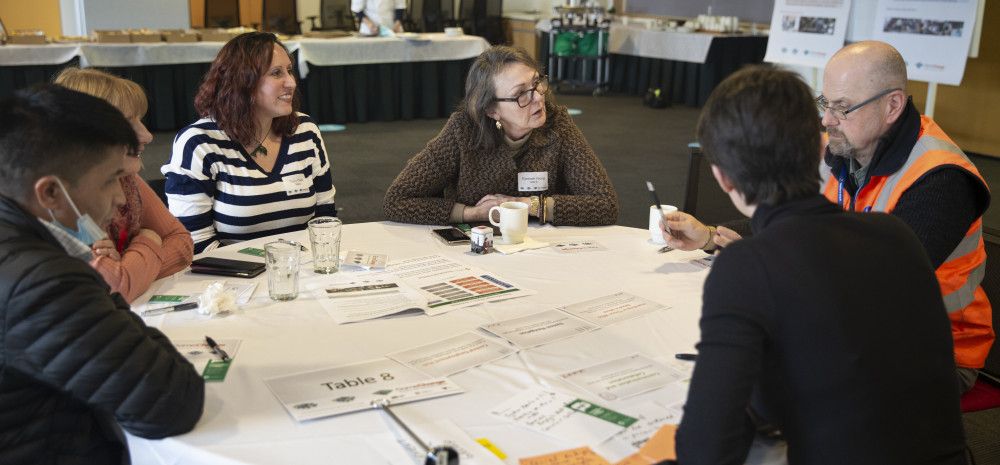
(508, 141)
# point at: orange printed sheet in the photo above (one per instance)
(579, 456)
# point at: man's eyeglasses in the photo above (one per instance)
(841, 113)
(540, 85)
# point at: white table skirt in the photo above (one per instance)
(244, 423)
(321, 52)
(637, 40)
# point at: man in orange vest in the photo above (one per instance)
(882, 155)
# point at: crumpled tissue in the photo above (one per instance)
(216, 300)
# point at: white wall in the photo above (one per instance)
(125, 14)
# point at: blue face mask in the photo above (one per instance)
(87, 230)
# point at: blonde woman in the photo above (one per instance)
(145, 242)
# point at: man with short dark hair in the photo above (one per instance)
(794, 334)
(882, 155)
(76, 365)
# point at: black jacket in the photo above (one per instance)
(831, 324)
(76, 365)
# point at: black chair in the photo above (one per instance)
(982, 428)
(482, 18)
(281, 16)
(991, 285)
(702, 196)
(334, 15)
(222, 13)
(429, 15)
(160, 187)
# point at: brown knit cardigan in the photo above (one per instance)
(450, 169)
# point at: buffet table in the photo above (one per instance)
(351, 79)
(244, 423)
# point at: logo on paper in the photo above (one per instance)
(306, 406)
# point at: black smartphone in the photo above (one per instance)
(227, 267)
(451, 236)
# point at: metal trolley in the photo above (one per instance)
(578, 50)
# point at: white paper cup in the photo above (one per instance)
(654, 223)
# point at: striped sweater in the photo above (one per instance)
(222, 196)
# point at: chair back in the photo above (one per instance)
(991, 284)
(281, 16)
(336, 15)
(160, 187)
(222, 13)
(702, 196)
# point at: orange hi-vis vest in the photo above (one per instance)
(963, 270)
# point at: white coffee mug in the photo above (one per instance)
(654, 223)
(513, 222)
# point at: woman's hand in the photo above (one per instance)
(683, 231)
(481, 210)
(105, 248)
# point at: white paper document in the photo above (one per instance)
(651, 417)
(623, 377)
(399, 448)
(350, 388)
(547, 412)
(452, 355)
(199, 353)
(539, 328)
(447, 284)
(360, 261)
(349, 297)
(613, 308)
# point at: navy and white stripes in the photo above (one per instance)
(222, 196)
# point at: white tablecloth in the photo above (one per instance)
(244, 423)
(637, 40)
(322, 52)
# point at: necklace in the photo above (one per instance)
(260, 146)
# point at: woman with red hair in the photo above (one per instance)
(253, 165)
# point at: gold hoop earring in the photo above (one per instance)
(499, 126)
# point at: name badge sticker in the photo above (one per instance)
(533, 181)
(296, 184)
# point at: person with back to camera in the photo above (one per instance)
(76, 366)
(507, 141)
(145, 242)
(882, 155)
(373, 15)
(252, 166)
(851, 364)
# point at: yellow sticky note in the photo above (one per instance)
(579, 456)
(491, 447)
(660, 447)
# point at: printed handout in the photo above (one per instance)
(623, 377)
(606, 310)
(447, 284)
(539, 328)
(353, 297)
(452, 355)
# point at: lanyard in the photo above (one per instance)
(840, 192)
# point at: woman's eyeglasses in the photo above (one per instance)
(523, 99)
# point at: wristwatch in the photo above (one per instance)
(535, 208)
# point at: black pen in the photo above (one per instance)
(216, 349)
(656, 201)
(687, 357)
(173, 308)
